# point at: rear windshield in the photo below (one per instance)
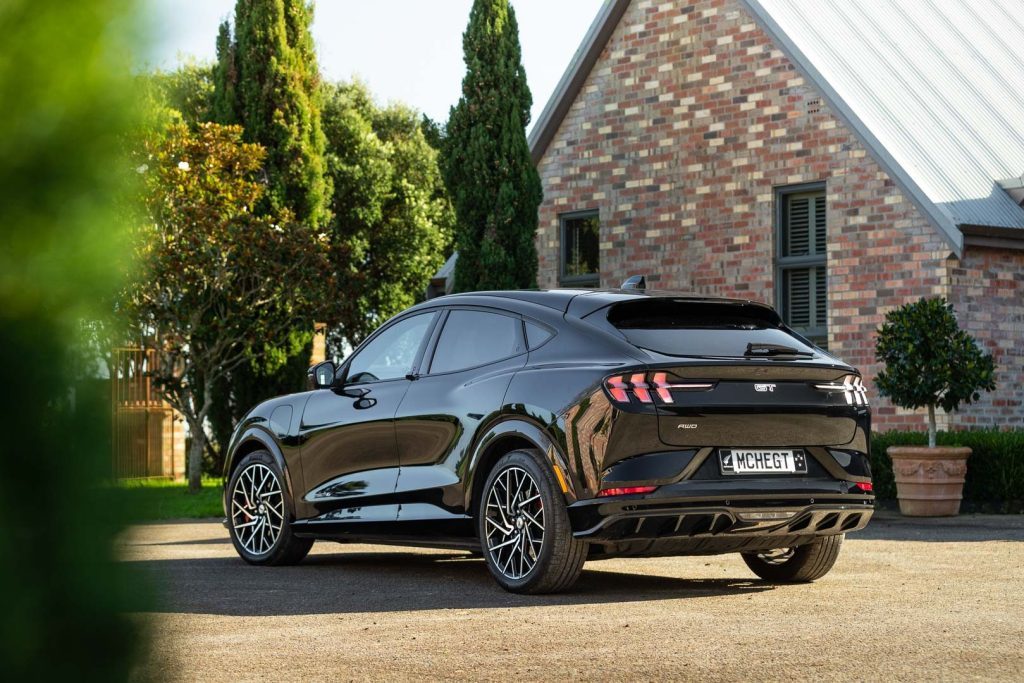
(691, 328)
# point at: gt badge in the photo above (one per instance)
(764, 387)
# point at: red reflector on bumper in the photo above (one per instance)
(625, 491)
(865, 486)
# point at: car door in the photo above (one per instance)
(349, 454)
(475, 355)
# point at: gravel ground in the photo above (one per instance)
(907, 600)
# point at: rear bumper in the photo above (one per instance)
(705, 525)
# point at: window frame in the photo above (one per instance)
(577, 280)
(427, 361)
(417, 362)
(785, 263)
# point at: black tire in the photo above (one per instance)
(560, 559)
(286, 548)
(807, 563)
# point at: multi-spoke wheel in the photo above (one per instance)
(259, 513)
(524, 527)
(796, 565)
(257, 508)
(514, 518)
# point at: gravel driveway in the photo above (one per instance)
(935, 599)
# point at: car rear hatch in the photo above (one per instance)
(728, 373)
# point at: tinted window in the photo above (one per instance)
(392, 352)
(472, 338)
(686, 328)
(536, 335)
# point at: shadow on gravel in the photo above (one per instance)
(389, 582)
(890, 526)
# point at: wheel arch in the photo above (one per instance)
(254, 439)
(504, 437)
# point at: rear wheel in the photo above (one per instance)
(524, 527)
(796, 565)
(260, 513)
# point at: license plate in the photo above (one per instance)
(761, 461)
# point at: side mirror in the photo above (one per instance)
(321, 375)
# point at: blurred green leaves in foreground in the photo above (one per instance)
(65, 86)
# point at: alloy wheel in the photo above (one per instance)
(777, 556)
(514, 522)
(257, 509)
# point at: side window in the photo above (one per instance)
(391, 354)
(536, 335)
(472, 338)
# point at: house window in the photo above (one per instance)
(801, 280)
(581, 234)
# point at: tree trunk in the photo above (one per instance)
(195, 457)
(931, 426)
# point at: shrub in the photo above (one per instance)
(929, 361)
(995, 470)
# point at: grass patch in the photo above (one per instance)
(150, 500)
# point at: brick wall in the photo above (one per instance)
(684, 128)
(988, 295)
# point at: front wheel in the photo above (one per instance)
(260, 513)
(802, 564)
(524, 528)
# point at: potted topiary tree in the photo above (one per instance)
(929, 361)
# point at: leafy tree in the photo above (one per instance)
(66, 88)
(216, 282)
(494, 185)
(188, 91)
(267, 80)
(392, 219)
(929, 361)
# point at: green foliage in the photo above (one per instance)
(995, 470)
(216, 281)
(929, 360)
(267, 80)
(67, 100)
(392, 219)
(188, 91)
(493, 182)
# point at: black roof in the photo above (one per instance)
(582, 302)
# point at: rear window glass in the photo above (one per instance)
(688, 328)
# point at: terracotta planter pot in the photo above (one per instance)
(929, 481)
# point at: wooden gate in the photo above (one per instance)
(147, 434)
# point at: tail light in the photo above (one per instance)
(852, 388)
(865, 486)
(651, 387)
(625, 491)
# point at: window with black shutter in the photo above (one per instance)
(581, 234)
(801, 277)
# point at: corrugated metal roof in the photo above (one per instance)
(932, 86)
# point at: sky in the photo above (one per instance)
(405, 50)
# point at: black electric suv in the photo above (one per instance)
(545, 428)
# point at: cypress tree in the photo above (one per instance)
(267, 80)
(494, 185)
(225, 78)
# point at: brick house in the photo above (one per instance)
(836, 159)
